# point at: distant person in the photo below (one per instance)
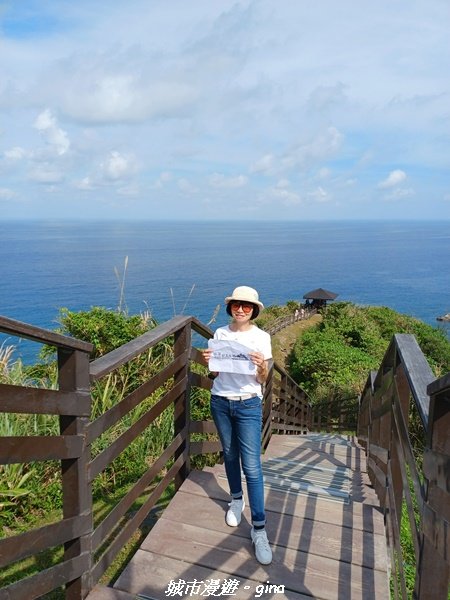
(236, 407)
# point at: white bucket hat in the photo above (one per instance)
(245, 294)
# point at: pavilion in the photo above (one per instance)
(319, 297)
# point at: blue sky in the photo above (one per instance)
(217, 109)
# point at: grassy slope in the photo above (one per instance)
(283, 341)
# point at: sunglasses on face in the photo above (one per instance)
(247, 307)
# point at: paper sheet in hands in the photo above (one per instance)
(230, 357)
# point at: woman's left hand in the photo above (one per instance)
(257, 358)
(261, 366)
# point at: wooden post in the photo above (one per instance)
(182, 404)
(433, 573)
(267, 408)
(73, 370)
(401, 400)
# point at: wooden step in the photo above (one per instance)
(295, 477)
(195, 536)
(149, 575)
(102, 592)
(305, 448)
(322, 548)
(364, 517)
(315, 480)
(285, 530)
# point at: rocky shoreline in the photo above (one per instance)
(444, 318)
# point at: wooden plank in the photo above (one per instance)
(107, 363)
(46, 581)
(16, 399)
(359, 486)
(306, 454)
(149, 576)
(439, 385)
(134, 522)
(106, 457)
(202, 427)
(201, 381)
(32, 542)
(300, 572)
(436, 529)
(322, 549)
(204, 447)
(101, 592)
(356, 515)
(200, 328)
(334, 540)
(329, 443)
(106, 526)
(113, 415)
(43, 336)
(22, 449)
(417, 370)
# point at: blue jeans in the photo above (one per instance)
(239, 425)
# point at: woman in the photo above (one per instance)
(236, 407)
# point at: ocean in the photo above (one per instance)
(189, 267)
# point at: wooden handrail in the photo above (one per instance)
(383, 424)
(44, 336)
(403, 479)
(282, 322)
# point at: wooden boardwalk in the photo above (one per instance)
(323, 522)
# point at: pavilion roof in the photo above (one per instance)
(320, 294)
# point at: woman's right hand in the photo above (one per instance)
(207, 353)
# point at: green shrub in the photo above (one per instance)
(322, 359)
(334, 358)
(105, 329)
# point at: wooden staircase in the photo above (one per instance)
(323, 522)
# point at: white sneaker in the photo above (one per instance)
(234, 513)
(262, 549)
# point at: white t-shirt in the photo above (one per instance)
(234, 384)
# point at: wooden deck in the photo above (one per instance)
(323, 522)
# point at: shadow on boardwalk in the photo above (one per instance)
(323, 522)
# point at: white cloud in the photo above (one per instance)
(85, 184)
(393, 179)
(116, 169)
(117, 166)
(323, 98)
(319, 195)
(218, 180)
(185, 186)
(282, 194)
(7, 194)
(96, 97)
(264, 165)
(129, 190)
(16, 153)
(283, 184)
(399, 194)
(324, 173)
(164, 178)
(56, 137)
(230, 98)
(301, 155)
(45, 173)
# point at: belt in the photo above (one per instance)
(241, 397)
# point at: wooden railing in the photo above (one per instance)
(404, 382)
(278, 324)
(90, 548)
(402, 400)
